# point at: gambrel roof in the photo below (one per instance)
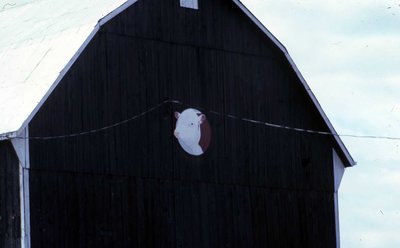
(41, 39)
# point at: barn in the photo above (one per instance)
(159, 123)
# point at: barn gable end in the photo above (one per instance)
(133, 185)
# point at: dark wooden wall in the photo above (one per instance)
(133, 186)
(10, 225)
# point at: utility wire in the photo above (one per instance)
(8, 136)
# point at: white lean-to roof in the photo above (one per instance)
(40, 39)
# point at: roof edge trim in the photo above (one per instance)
(8, 136)
(260, 25)
(346, 153)
(116, 12)
(60, 76)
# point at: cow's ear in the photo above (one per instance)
(202, 118)
(177, 114)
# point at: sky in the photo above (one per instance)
(349, 53)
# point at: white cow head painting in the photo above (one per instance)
(192, 131)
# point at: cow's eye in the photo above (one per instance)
(192, 123)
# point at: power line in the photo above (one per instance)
(295, 128)
(97, 129)
(205, 110)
